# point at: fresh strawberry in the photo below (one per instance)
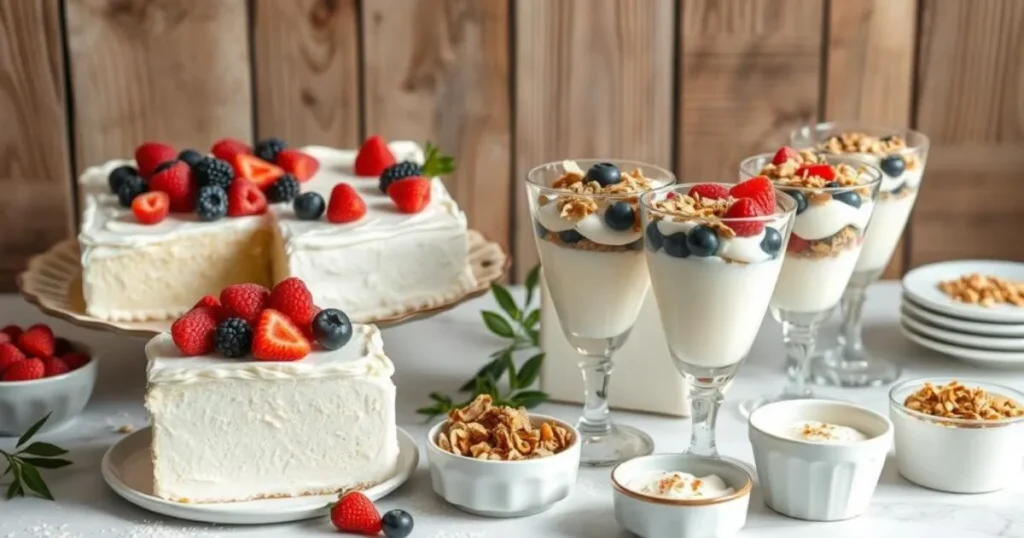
(784, 154)
(759, 189)
(177, 182)
(796, 244)
(292, 298)
(9, 354)
(37, 341)
(373, 157)
(225, 149)
(297, 163)
(712, 191)
(256, 170)
(345, 205)
(52, 366)
(26, 370)
(246, 198)
(194, 332)
(13, 331)
(61, 346)
(411, 195)
(355, 513)
(151, 207)
(824, 171)
(74, 360)
(4, 338)
(276, 338)
(151, 154)
(744, 208)
(244, 301)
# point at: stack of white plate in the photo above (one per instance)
(989, 336)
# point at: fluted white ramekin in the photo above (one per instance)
(818, 481)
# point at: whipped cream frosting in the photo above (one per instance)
(745, 249)
(823, 433)
(680, 486)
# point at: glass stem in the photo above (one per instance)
(799, 342)
(853, 319)
(596, 375)
(704, 402)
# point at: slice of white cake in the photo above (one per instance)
(234, 430)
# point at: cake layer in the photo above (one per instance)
(233, 430)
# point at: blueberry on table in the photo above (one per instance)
(396, 524)
(850, 198)
(118, 176)
(893, 165)
(772, 242)
(675, 245)
(800, 199)
(332, 328)
(654, 237)
(309, 206)
(702, 241)
(570, 236)
(619, 216)
(605, 174)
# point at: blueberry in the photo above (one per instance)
(332, 328)
(605, 174)
(893, 165)
(619, 216)
(772, 242)
(832, 184)
(675, 245)
(654, 237)
(850, 198)
(702, 241)
(396, 524)
(570, 236)
(801, 200)
(308, 206)
(190, 156)
(539, 229)
(118, 176)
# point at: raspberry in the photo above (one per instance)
(411, 195)
(245, 198)
(373, 157)
(9, 354)
(177, 182)
(744, 208)
(37, 341)
(75, 360)
(52, 366)
(149, 155)
(244, 301)
(292, 298)
(62, 346)
(711, 191)
(193, 333)
(26, 370)
(13, 331)
(345, 205)
(759, 189)
(784, 154)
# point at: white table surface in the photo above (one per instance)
(427, 361)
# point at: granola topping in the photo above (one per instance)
(485, 431)
(855, 142)
(847, 238)
(823, 432)
(954, 400)
(709, 211)
(809, 170)
(984, 290)
(679, 485)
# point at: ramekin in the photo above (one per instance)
(956, 455)
(655, 517)
(504, 488)
(23, 403)
(818, 481)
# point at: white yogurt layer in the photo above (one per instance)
(882, 236)
(825, 220)
(814, 284)
(823, 433)
(680, 486)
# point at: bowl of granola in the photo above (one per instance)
(958, 437)
(498, 461)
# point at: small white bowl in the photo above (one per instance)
(504, 488)
(956, 455)
(818, 481)
(656, 517)
(23, 403)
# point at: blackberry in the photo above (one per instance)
(118, 175)
(283, 189)
(129, 189)
(211, 203)
(233, 338)
(213, 172)
(268, 148)
(398, 171)
(190, 156)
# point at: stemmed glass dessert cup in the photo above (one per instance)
(901, 155)
(712, 279)
(591, 253)
(834, 210)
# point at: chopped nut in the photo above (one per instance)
(954, 400)
(984, 290)
(499, 433)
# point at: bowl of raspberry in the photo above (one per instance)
(39, 374)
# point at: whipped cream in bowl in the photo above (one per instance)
(680, 485)
(812, 431)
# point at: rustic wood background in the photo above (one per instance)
(693, 85)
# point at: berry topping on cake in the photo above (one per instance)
(784, 154)
(177, 182)
(620, 216)
(212, 171)
(268, 148)
(150, 154)
(331, 328)
(345, 205)
(74, 360)
(298, 164)
(9, 354)
(244, 301)
(118, 176)
(709, 190)
(151, 207)
(410, 195)
(309, 206)
(292, 298)
(745, 208)
(245, 198)
(893, 165)
(211, 203)
(355, 513)
(373, 157)
(233, 338)
(278, 339)
(702, 241)
(604, 174)
(772, 242)
(396, 524)
(37, 341)
(129, 189)
(209, 301)
(26, 370)
(164, 166)
(256, 170)
(226, 149)
(434, 165)
(759, 190)
(52, 366)
(190, 157)
(823, 170)
(397, 172)
(283, 189)
(194, 332)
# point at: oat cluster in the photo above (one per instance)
(984, 290)
(708, 211)
(488, 432)
(843, 240)
(954, 400)
(855, 142)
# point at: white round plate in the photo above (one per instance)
(127, 468)
(995, 343)
(978, 328)
(979, 357)
(922, 285)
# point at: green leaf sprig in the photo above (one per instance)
(519, 326)
(24, 464)
(436, 163)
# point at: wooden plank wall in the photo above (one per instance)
(694, 85)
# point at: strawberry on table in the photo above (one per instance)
(226, 148)
(151, 207)
(355, 513)
(292, 298)
(193, 332)
(244, 301)
(149, 155)
(373, 157)
(784, 154)
(410, 195)
(744, 208)
(345, 205)
(177, 182)
(9, 354)
(276, 338)
(301, 165)
(37, 341)
(711, 191)
(760, 190)
(26, 370)
(245, 198)
(256, 170)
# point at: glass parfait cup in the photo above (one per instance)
(828, 234)
(585, 214)
(901, 155)
(712, 284)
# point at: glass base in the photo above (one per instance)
(615, 446)
(843, 367)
